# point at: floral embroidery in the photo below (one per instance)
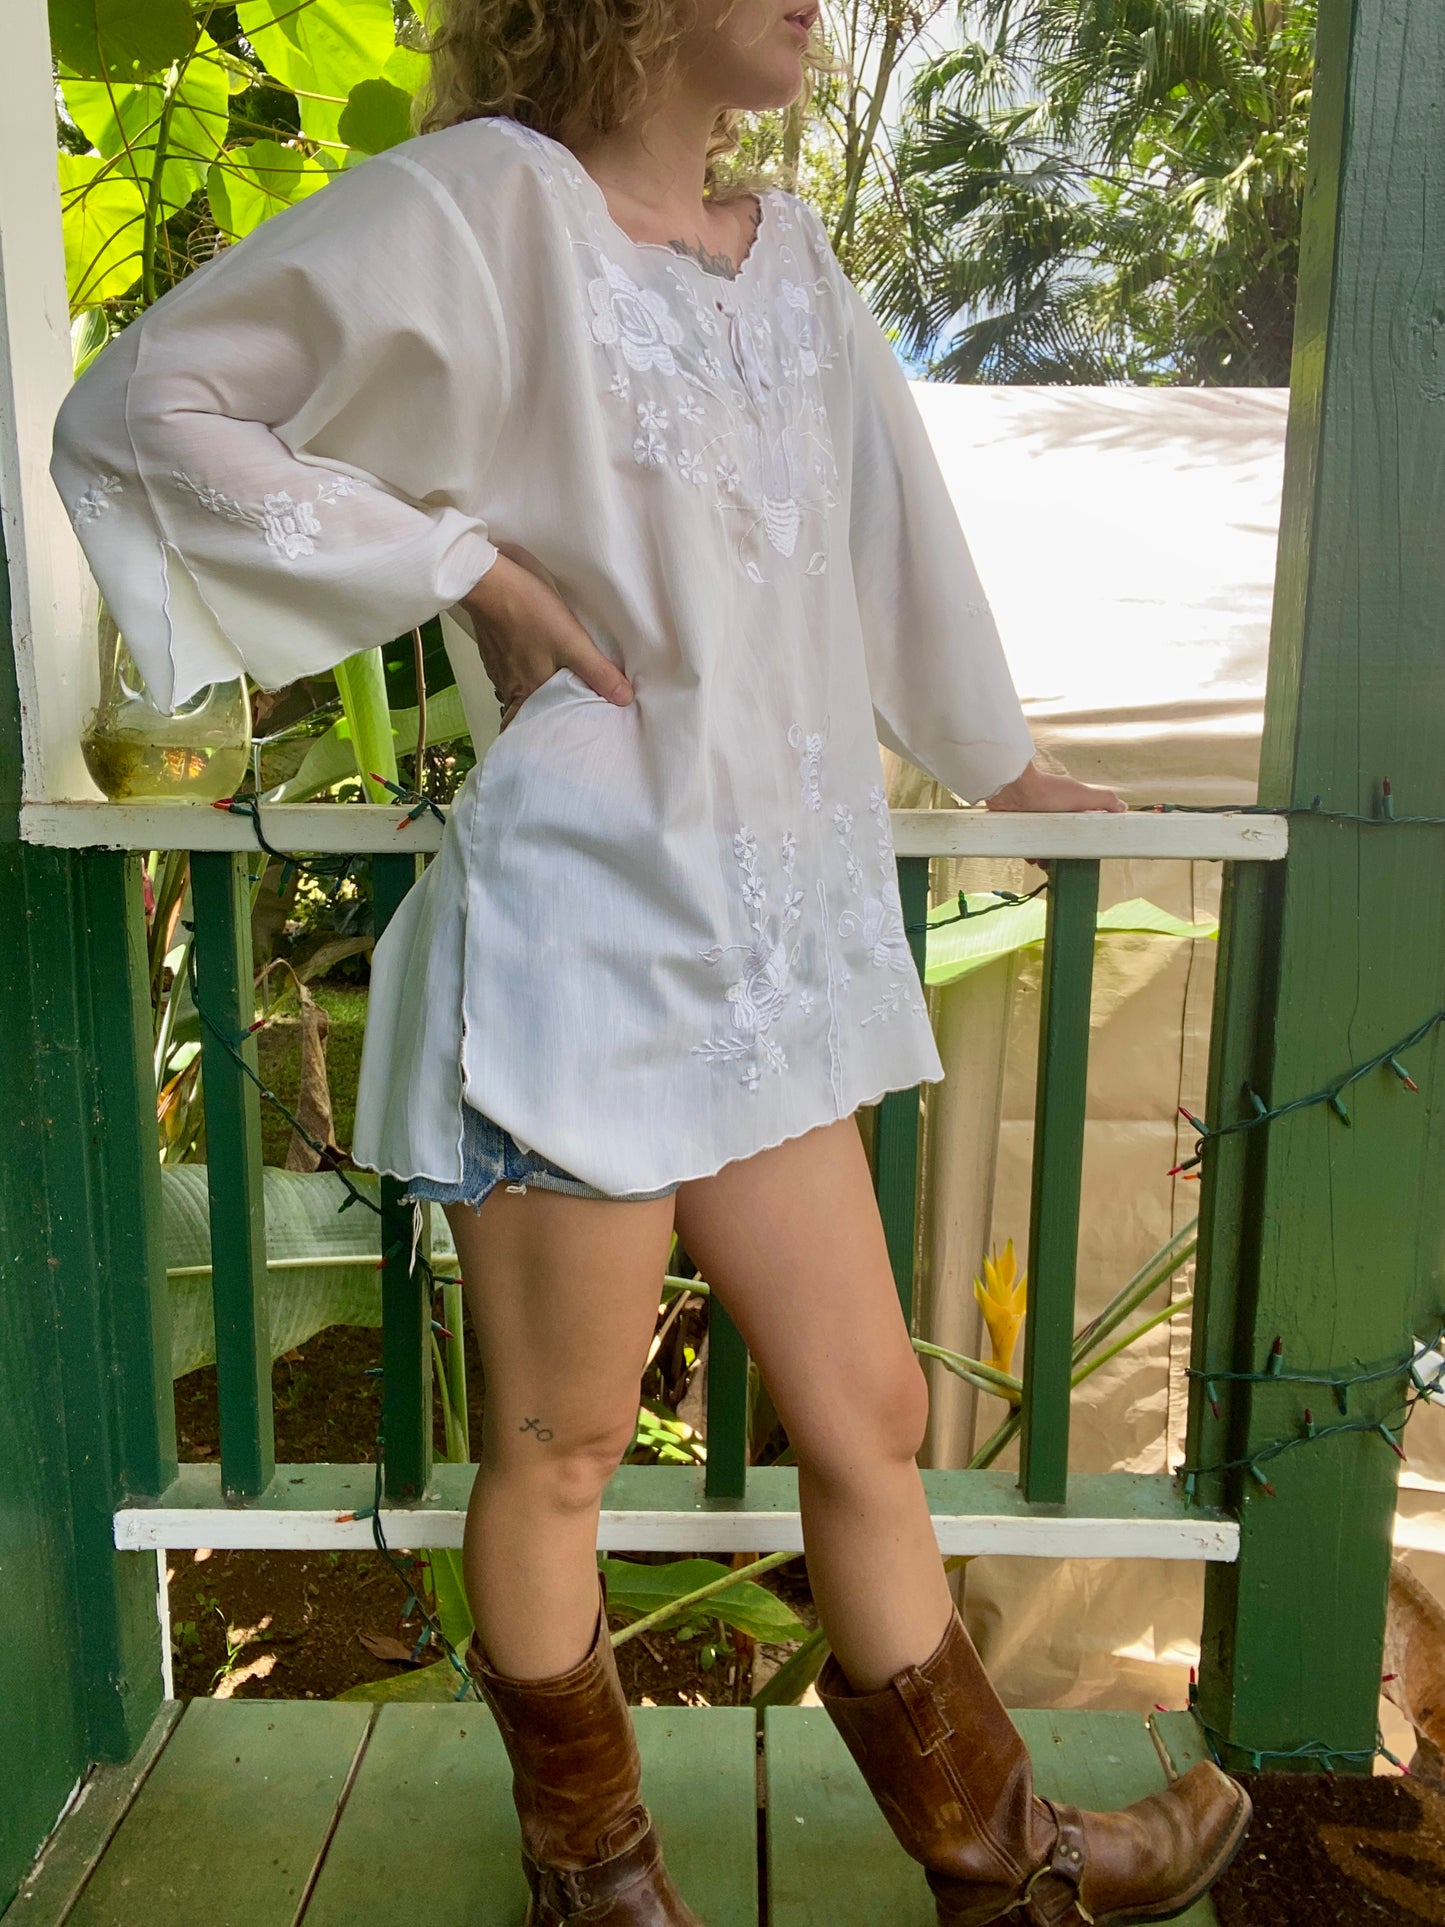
(760, 994)
(800, 325)
(810, 764)
(543, 147)
(770, 457)
(636, 320)
(96, 499)
(877, 922)
(290, 527)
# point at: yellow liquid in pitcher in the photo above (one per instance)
(131, 769)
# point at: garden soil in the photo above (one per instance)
(1344, 1851)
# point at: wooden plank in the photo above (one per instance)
(221, 898)
(322, 828)
(430, 1831)
(75, 1849)
(831, 1855)
(895, 1135)
(1338, 1230)
(406, 1300)
(1059, 1111)
(726, 1473)
(1180, 1742)
(1121, 1515)
(237, 1810)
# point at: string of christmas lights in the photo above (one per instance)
(1382, 818)
(1423, 1386)
(1008, 900)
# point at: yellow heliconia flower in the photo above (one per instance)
(1002, 1294)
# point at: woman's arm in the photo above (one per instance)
(280, 463)
(942, 692)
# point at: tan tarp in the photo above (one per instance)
(1127, 541)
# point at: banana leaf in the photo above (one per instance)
(321, 1263)
(332, 758)
(958, 945)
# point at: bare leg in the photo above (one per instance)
(791, 1242)
(563, 1293)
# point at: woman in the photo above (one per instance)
(650, 441)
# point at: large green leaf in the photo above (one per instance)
(957, 946)
(439, 1681)
(377, 115)
(322, 1263)
(103, 222)
(120, 40)
(331, 758)
(361, 684)
(249, 184)
(634, 1591)
(320, 48)
(122, 124)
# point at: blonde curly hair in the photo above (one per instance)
(568, 68)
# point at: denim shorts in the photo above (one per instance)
(492, 1156)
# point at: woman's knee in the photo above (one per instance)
(880, 1420)
(560, 1468)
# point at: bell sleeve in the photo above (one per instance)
(280, 463)
(942, 693)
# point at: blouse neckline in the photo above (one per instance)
(594, 187)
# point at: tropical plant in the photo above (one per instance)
(1102, 192)
(184, 127)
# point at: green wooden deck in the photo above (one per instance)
(262, 1813)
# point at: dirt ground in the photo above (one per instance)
(1342, 1851)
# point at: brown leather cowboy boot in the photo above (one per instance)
(947, 1767)
(589, 1848)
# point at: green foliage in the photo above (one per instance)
(322, 1264)
(1102, 192)
(957, 946)
(119, 40)
(636, 1592)
(259, 180)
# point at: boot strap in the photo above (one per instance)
(567, 1893)
(1052, 1894)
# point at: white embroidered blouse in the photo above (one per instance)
(657, 937)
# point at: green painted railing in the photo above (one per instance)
(232, 1101)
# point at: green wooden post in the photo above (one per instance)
(221, 899)
(726, 1474)
(895, 1144)
(1068, 975)
(406, 1307)
(1333, 1233)
(85, 1411)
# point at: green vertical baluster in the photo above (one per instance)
(895, 1145)
(727, 1407)
(1058, 1167)
(221, 900)
(406, 1307)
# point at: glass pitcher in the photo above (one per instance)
(137, 754)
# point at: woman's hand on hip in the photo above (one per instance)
(525, 633)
